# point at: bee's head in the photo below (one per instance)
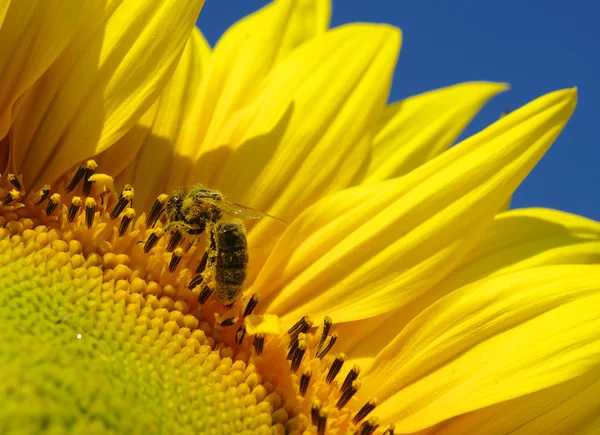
(174, 206)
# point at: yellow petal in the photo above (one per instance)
(374, 248)
(32, 35)
(241, 59)
(518, 239)
(413, 131)
(305, 135)
(571, 407)
(146, 153)
(120, 59)
(491, 341)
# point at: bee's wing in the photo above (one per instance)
(238, 210)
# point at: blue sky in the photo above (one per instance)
(536, 45)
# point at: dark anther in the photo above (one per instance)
(390, 430)
(347, 394)
(53, 203)
(10, 197)
(298, 355)
(305, 380)
(302, 326)
(156, 210)
(125, 198)
(335, 368)
(251, 305)
(152, 240)
(259, 343)
(90, 168)
(365, 410)
(350, 377)
(314, 411)
(12, 179)
(43, 194)
(175, 259)
(229, 322)
(202, 264)
(368, 427)
(240, 334)
(128, 216)
(90, 211)
(332, 339)
(74, 208)
(322, 422)
(204, 295)
(327, 322)
(197, 280)
(293, 346)
(76, 179)
(174, 241)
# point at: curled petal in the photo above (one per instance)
(414, 131)
(122, 55)
(491, 341)
(399, 238)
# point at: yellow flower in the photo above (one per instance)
(394, 298)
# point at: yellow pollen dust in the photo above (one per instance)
(108, 325)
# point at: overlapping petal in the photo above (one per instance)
(32, 35)
(118, 62)
(415, 130)
(491, 341)
(518, 239)
(374, 248)
(146, 154)
(241, 59)
(569, 407)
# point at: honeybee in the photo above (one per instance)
(227, 259)
(197, 208)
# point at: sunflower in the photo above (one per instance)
(386, 291)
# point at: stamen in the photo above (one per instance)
(347, 394)
(204, 295)
(156, 210)
(305, 380)
(365, 410)
(350, 377)
(252, 303)
(175, 259)
(229, 322)
(332, 339)
(91, 166)
(42, 194)
(12, 179)
(327, 322)
(90, 211)
(53, 203)
(74, 208)
(302, 326)
(293, 346)
(336, 366)
(240, 334)
(11, 196)
(76, 179)
(153, 239)
(202, 264)
(368, 427)
(298, 355)
(125, 198)
(259, 342)
(197, 280)
(390, 430)
(174, 241)
(128, 216)
(314, 411)
(127, 188)
(322, 421)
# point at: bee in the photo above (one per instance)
(197, 209)
(227, 259)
